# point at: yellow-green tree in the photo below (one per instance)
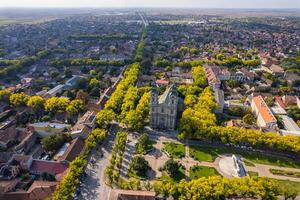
(36, 103)
(56, 104)
(18, 99)
(75, 107)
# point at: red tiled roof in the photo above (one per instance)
(279, 101)
(73, 150)
(162, 82)
(51, 167)
(41, 189)
(263, 109)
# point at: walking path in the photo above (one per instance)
(128, 154)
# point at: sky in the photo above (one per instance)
(154, 3)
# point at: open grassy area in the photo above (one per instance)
(289, 185)
(201, 171)
(174, 150)
(253, 174)
(248, 163)
(285, 173)
(208, 154)
(202, 154)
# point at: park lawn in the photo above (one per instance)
(252, 174)
(289, 184)
(201, 171)
(248, 163)
(202, 154)
(255, 157)
(174, 150)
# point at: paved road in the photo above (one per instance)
(93, 186)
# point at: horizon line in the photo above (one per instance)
(156, 7)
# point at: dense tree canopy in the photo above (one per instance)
(18, 99)
(36, 102)
(57, 104)
(139, 166)
(216, 187)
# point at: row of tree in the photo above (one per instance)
(112, 171)
(65, 190)
(37, 103)
(121, 102)
(85, 61)
(199, 122)
(15, 66)
(216, 187)
(67, 187)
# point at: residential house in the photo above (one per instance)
(289, 100)
(73, 149)
(47, 128)
(265, 118)
(84, 125)
(54, 91)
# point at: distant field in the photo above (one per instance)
(6, 21)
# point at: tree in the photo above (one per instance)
(81, 95)
(294, 112)
(143, 144)
(249, 119)
(139, 166)
(94, 83)
(36, 103)
(269, 101)
(199, 76)
(48, 177)
(68, 72)
(56, 104)
(75, 107)
(54, 74)
(4, 95)
(82, 83)
(18, 99)
(53, 142)
(104, 117)
(171, 167)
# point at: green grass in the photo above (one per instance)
(179, 176)
(206, 153)
(285, 173)
(201, 171)
(289, 184)
(174, 150)
(248, 163)
(202, 154)
(253, 174)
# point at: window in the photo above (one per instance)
(172, 111)
(162, 110)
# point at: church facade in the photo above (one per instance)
(164, 109)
